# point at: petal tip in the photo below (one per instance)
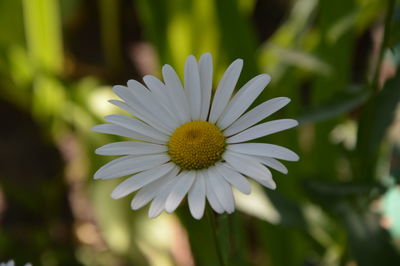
(109, 117)
(169, 210)
(131, 83)
(294, 157)
(191, 58)
(239, 62)
(197, 216)
(272, 186)
(95, 128)
(247, 191)
(206, 56)
(115, 195)
(166, 67)
(98, 175)
(98, 151)
(230, 211)
(266, 77)
(169, 207)
(147, 78)
(117, 88)
(115, 102)
(153, 215)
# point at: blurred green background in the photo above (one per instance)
(337, 60)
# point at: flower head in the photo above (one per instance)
(187, 142)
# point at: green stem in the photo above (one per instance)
(213, 227)
(232, 246)
(384, 44)
(366, 167)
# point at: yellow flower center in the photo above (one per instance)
(196, 145)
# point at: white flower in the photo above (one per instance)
(188, 142)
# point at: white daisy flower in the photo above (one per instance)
(188, 142)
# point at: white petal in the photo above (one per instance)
(177, 95)
(197, 197)
(242, 100)
(151, 105)
(178, 192)
(137, 126)
(158, 204)
(148, 192)
(212, 198)
(263, 149)
(160, 92)
(141, 179)
(206, 72)
(130, 148)
(124, 106)
(272, 163)
(124, 132)
(138, 114)
(222, 190)
(225, 89)
(251, 168)
(257, 114)
(234, 178)
(262, 130)
(129, 165)
(192, 87)
(138, 109)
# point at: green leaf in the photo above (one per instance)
(237, 37)
(339, 104)
(375, 120)
(336, 190)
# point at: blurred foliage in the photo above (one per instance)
(338, 206)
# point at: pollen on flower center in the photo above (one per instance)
(196, 145)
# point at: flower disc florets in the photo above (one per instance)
(196, 145)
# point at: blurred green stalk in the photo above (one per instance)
(44, 45)
(43, 34)
(368, 141)
(110, 33)
(213, 228)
